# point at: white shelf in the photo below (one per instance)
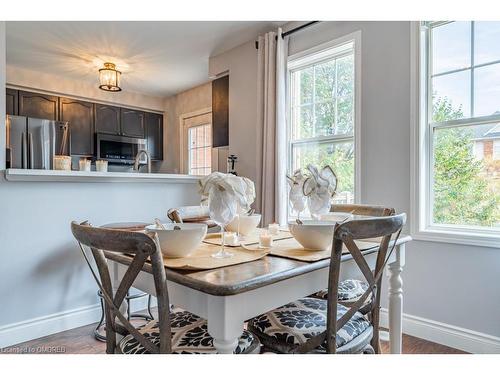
(43, 175)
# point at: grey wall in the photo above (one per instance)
(448, 283)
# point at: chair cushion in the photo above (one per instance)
(189, 336)
(288, 326)
(350, 289)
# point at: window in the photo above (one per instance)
(496, 149)
(196, 143)
(460, 107)
(200, 149)
(322, 112)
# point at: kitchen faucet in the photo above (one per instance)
(138, 156)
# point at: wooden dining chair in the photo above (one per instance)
(191, 214)
(325, 326)
(351, 289)
(173, 332)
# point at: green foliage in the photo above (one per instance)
(461, 192)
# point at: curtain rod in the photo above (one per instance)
(292, 31)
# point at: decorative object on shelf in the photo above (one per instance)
(296, 195)
(319, 188)
(62, 163)
(225, 195)
(109, 78)
(101, 165)
(231, 160)
(84, 164)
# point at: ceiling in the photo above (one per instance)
(157, 58)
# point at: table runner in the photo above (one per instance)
(201, 258)
(253, 238)
(290, 248)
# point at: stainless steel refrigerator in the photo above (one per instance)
(32, 142)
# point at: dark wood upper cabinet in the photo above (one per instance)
(107, 119)
(11, 103)
(132, 122)
(36, 105)
(80, 116)
(220, 112)
(154, 135)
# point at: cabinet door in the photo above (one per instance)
(11, 105)
(107, 119)
(220, 112)
(80, 116)
(154, 135)
(132, 123)
(36, 105)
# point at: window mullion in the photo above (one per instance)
(472, 109)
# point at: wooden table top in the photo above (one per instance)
(243, 277)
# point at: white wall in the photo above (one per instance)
(241, 62)
(452, 284)
(195, 99)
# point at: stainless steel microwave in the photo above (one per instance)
(119, 149)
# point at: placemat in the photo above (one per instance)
(253, 238)
(201, 258)
(291, 249)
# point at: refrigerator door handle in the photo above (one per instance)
(30, 151)
(24, 151)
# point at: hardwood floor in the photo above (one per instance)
(81, 341)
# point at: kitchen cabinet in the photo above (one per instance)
(11, 102)
(220, 112)
(154, 135)
(132, 123)
(107, 119)
(32, 104)
(80, 116)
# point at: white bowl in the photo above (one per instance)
(336, 216)
(178, 243)
(248, 223)
(313, 234)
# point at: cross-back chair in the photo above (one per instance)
(326, 326)
(172, 332)
(351, 289)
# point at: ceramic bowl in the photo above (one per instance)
(178, 243)
(313, 234)
(248, 223)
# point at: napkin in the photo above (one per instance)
(319, 188)
(296, 195)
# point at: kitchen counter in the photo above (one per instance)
(43, 175)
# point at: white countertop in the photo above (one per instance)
(44, 175)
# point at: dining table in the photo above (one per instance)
(229, 296)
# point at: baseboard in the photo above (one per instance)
(27, 330)
(446, 334)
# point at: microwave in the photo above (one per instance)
(119, 149)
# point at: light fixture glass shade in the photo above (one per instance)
(109, 78)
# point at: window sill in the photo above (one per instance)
(433, 234)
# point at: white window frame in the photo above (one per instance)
(314, 55)
(183, 137)
(421, 149)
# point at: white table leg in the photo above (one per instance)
(396, 300)
(223, 325)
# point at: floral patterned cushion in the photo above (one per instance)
(348, 290)
(296, 322)
(189, 336)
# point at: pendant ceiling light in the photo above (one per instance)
(109, 78)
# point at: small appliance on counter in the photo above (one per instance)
(34, 143)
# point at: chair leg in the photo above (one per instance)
(368, 349)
